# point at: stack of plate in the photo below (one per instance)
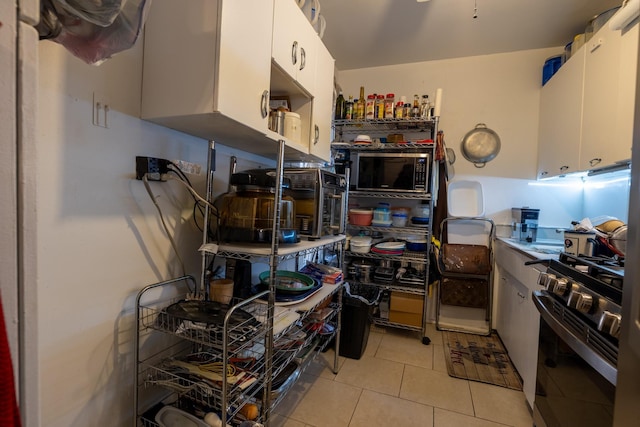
(389, 248)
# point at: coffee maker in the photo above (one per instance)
(525, 224)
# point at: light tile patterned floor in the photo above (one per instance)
(398, 382)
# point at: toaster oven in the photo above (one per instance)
(320, 198)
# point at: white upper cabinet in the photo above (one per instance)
(561, 119)
(209, 71)
(295, 44)
(586, 108)
(322, 106)
(608, 90)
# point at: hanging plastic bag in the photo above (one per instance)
(93, 30)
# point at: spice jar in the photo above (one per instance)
(379, 111)
(399, 109)
(370, 108)
(389, 103)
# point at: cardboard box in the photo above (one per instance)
(406, 308)
(408, 303)
(411, 319)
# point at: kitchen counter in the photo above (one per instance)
(540, 249)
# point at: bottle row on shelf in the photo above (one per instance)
(378, 106)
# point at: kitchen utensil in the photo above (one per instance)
(618, 239)
(221, 290)
(579, 242)
(170, 416)
(360, 244)
(246, 214)
(417, 244)
(289, 281)
(360, 216)
(480, 145)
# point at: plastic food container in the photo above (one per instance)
(416, 244)
(292, 126)
(360, 217)
(360, 244)
(399, 219)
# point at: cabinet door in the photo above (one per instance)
(322, 105)
(244, 60)
(561, 119)
(294, 45)
(600, 145)
(207, 65)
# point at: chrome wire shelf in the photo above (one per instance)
(395, 286)
(403, 230)
(391, 195)
(406, 256)
(384, 322)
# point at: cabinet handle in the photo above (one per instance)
(264, 104)
(595, 161)
(303, 58)
(294, 53)
(564, 168)
(316, 136)
(595, 44)
(521, 295)
(544, 173)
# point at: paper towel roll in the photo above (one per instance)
(438, 103)
(627, 13)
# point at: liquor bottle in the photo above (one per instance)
(341, 107)
(349, 111)
(415, 111)
(360, 106)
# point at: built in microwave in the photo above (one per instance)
(391, 171)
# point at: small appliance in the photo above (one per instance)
(525, 224)
(320, 198)
(390, 171)
(247, 212)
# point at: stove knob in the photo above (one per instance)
(581, 301)
(543, 277)
(610, 323)
(561, 286)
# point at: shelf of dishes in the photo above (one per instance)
(286, 251)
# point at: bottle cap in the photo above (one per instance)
(390, 95)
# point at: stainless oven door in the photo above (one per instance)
(569, 390)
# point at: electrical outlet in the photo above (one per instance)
(153, 167)
(188, 167)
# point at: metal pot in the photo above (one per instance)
(361, 271)
(480, 145)
(618, 239)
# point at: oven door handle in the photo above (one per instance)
(546, 262)
(597, 362)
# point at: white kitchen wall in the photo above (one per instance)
(99, 237)
(501, 91)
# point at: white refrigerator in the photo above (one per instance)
(18, 89)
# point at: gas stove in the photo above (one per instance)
(589, 286)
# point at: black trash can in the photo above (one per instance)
(358, 302)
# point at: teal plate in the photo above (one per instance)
(289, 281)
